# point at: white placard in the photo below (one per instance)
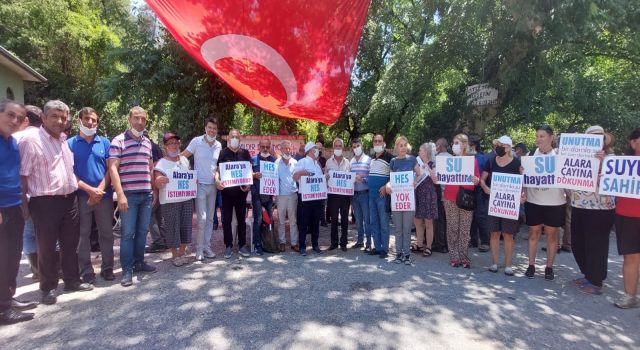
(455, 170)
(269, 183)
(539, 171)
(313, 188)
(506, 190)
(621, 177)
(234, 174)
(580, 145)
(182, 186)
(575, 173)
(482, 95)
(341, 182)
(402, 192)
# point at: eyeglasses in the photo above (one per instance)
(265, 147)
(172, 143)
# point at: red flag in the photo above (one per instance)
(292, 58)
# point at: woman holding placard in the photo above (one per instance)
(426, 200)
(628, 236)
(176, 216)
(503, 162)
(403, 219)
(458, 219)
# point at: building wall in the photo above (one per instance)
(9, 79)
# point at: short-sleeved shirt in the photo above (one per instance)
(361, 167)
(451, 191)
(255, 166)
(491, 166)
(227, 155)
(333, 165)
(546, 196)
(285, 176)
(307, 163)
(135, 157)
(205, 158)
(47, 162)
(90, 160)
(379, 172)
(629, 207)
(165, 166)
(10, 191)
(407, 163)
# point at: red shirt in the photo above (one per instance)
(629, 207)
(451, 191)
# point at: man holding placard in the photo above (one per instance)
(360, 165)
(234, 178)
(263, 189)
(378, 209)
(287, 200)
(340, 190)
(311, 184)
(206, 151)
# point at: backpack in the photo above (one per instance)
(270, 241)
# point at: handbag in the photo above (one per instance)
(465, 199)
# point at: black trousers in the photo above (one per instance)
(10, 250)
(440, 224)
(590, 231)
(55, 219)
(309, 222)
(237, 201)
(339, 204)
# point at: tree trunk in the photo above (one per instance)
(257, 118)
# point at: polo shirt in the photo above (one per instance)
(135, 158)
(10, 191)
(285, 176)
(308, 164)
(90, 160)
(205, 158)
(379, 172)
(361, 167)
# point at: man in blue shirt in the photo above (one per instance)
(259, 201)
(11, 212)
(378, 209)
(95, 198)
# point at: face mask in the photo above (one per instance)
(137, 133)
(264, 155)
(173, 154)
(286, 156)
(457, 149)
(500, 151)
(87, 131)
(358, 151)
(210, 138)
(337, 152)
(316, 152)
(234, 143)
(378, 149)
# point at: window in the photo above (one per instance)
(10, 94)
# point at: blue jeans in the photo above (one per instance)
(134, 227)
(29, 238)
(360, 206)
(379, 221)
(257, 217)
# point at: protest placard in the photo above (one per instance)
(313, 188)
(580, 145)
(455, 170)
(539, 171)
(234, 174)
(402, 191)
(621, 177)
(341, 182)
(269, 183)
(577, 167)
(182, 186)
(504, 201)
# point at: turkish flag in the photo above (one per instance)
(292, 58)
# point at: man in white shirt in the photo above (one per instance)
(205, 150)
(310, 211)
(338, 203)
(361, 164)
(287, 199)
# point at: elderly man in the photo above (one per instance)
(338, 203)
(206, 151)
(259, 201)
(233, 197)
(287, 199)
(360, 164)
(309, 211)
(378, 209)
(47, 176)
(95, 198)
(131, 166)
(11, 214)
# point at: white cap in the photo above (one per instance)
(505, 140)
(309, 146)
(595, 129)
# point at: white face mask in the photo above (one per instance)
(457, 149)
(234, 143)
(337, 152)
(87, 131)
(378, 148)
(173, 154)
(264, 155)
(210, 138)
(316, 152)
(358, 151)
(286, 156)
(137, 133)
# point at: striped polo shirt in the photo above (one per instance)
(135, 158)
(379, 172)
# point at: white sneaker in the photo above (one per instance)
(493, 268)
(209, 254)
(508, 271)
(199, 257)
(627, 302)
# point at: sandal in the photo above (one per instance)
(455, 263)
(178, 261)
(589, 288)
(427, 252)
(415, 248)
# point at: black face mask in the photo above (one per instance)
(500, 151)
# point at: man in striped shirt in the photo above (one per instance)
(360, 164)
(378, 213)
(46, 168)
(130, 166)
